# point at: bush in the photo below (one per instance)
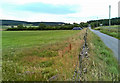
(42, 26)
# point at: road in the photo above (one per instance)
(110, 42)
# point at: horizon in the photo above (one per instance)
(54, 21)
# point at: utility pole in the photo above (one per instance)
(97, 21)
(119, 9)
(109, 15)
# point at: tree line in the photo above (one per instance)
(68, 26)
(42, 26)
(104, 22)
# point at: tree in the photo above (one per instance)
(20, 26)
(42, 26)
(76, 25)
(12, 26)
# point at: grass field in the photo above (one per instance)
(39, 55)
(112, 30)
(19, 39)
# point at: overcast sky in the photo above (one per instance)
(57, 10)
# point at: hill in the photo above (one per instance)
(16, 22)
(104, 22)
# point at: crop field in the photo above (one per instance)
(113, 31)
(40, 55)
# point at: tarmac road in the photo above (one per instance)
(110, 42)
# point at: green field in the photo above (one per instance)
(40, 55)
(112, 30)
(19, 39)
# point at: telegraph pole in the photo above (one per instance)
(109, 15)
(97, 21)
(119, 9)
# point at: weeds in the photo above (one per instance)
(101, 60)
(112, 30)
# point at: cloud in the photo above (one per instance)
(47, 8)
(58, 10)
(41, 8)
(53, 2)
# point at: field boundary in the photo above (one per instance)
(79, 70)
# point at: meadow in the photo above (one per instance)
(37, 55)
(19, 39)
(40, 55)
(112, 30)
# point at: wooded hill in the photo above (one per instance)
(104, 22)
(16, 22)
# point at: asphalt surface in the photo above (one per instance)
(110, 42)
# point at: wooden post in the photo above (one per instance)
(70, 46)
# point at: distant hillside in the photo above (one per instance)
(16, 22)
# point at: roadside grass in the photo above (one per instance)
(0, 54)
(26, 58)
(101, 64)
(113, 31)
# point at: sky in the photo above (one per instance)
(68, 11)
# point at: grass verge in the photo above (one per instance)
(101, 64)
(112, 30)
